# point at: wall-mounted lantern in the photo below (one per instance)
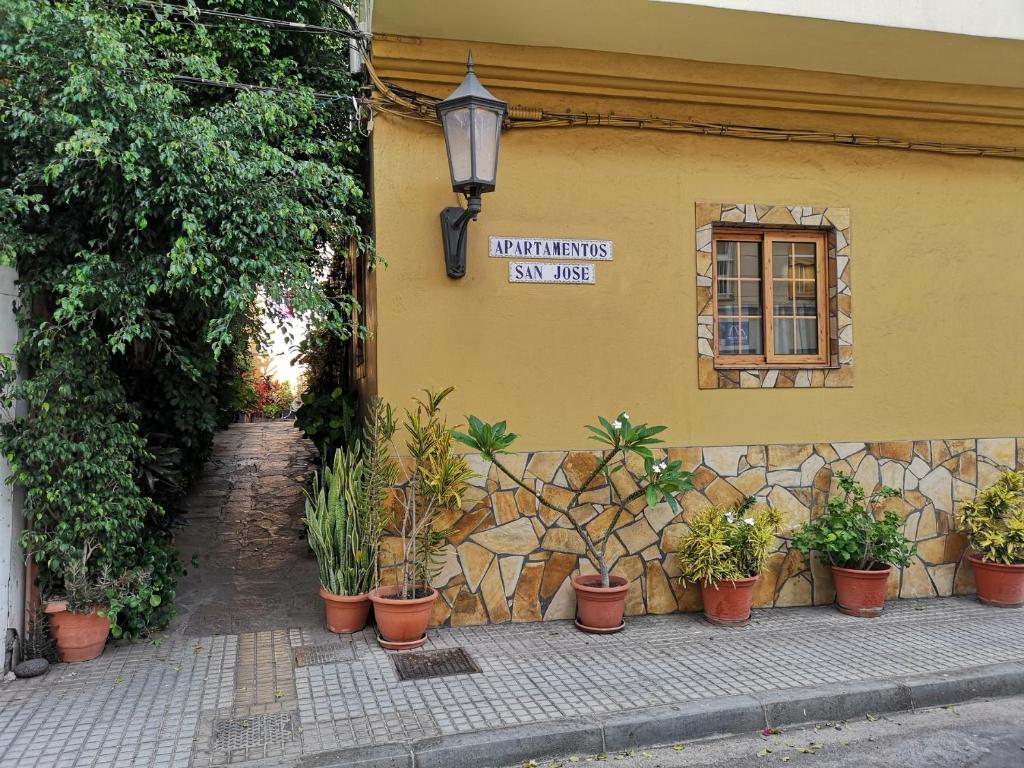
(471, 118)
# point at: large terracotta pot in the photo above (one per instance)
(600, 609)
(401, 624)
(79, 636)
(344, 613)
(998, 585)
(728, 602)
(860, 593)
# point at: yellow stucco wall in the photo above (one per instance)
(938, 276)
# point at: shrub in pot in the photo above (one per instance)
(431, 482)
(345, 520)
(81, 617)
(861, 544)
(724, 552)
(600, 597)
(994, 526)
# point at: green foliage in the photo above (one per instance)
(432, 482)
(725, 545)
(345, 515)
(328, 420)
(152, 222)
(849, 534)
(660, 480)
(994, 520)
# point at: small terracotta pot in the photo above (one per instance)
(860, 593)
(728, 602)
(79, 636)
(998, 585)
(344, 613)
(402, 621)
(600, 609)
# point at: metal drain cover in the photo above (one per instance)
(314, 655)
(253, 731)
(440, 663)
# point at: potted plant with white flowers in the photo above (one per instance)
(600, 597)
(724, 551)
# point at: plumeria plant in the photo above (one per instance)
(659, 481)
(726, 545)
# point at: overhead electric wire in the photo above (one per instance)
(402, 102)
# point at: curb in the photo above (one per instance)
(685, 721)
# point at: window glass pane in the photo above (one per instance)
(784, 341)
(806, 306)
(729, 342)
(804, 249)
(750, 334)
(750, 259)
(780, 259)
(750, 297)
(486, 124)
(726, 258)
(782, 297)
(727, 304)
(803, 289)
(806, 336)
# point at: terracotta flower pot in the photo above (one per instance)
(860, 593)
(401, 623)
(343, 613)
(600, 609)
(998, 585)
(79, 636)
(728, 602)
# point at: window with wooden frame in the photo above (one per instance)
(770, 298)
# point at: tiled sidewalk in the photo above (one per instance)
(269, 698)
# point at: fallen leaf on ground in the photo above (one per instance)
(677, 747)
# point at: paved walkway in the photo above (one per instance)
(247, 675)
(281, 696)
(244, 528)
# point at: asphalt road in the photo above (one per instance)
(981, 734)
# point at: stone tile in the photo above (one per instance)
(724, 459)
(515, 538)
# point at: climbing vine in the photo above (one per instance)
(155, 212)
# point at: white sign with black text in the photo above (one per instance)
(545, 272)
(550, 248)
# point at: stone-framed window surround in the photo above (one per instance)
(835, 222)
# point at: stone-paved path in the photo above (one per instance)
(244, 528)
(278, 697)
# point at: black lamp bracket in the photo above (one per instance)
(454, 224)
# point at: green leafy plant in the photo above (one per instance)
(658, 481)
(86, 589)
(432, 482)
(329, 420)
(850, 533)
(155, 213)
(345, 514)
(725, 545)
(994, 520)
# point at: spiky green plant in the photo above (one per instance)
(994, 521)
(725, 545)
(434, 480)
(345, 516)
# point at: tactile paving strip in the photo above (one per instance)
(440, 663)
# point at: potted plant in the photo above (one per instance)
(600, 597)
(345, 521)
(724, 551)
(861, 545)
(994, 526)
(82, 617)
(431, 482)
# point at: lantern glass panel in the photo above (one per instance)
(486, 128)
(457, 130)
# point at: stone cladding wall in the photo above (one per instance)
(509, 559)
